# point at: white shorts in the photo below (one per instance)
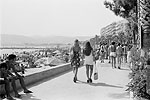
(88, 60)
(113, 54)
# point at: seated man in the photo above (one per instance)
(4, 80)
(15, 75)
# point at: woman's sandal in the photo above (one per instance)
(90, 80)
(75, 79)
(28, 91)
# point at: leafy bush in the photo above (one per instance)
(138, 77)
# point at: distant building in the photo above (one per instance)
(108, 30)
(115, 28)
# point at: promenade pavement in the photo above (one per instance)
(111, 85)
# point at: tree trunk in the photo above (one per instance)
(144, 30)
(144, 22)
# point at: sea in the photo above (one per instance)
(3, 49)
(10, 51)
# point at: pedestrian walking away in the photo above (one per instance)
(119, 55)
(75, 58)
(125, 49)
(113, 54)
(102, 53)
(109, 58)
(89, 60)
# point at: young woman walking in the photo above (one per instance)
(113, 54)
(89, 60)
(75, 59)
(119, 52)
(102, 50)
(125, 49)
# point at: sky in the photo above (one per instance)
(55, 17)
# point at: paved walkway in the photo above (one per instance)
(111, 85)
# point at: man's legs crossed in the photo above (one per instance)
(13, 83)
(22, 85)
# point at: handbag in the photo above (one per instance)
(95, 72)
(97, 55)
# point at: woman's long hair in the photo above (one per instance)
(76, 45)
(88, 49)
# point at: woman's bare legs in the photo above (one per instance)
(87, 72)
(91, 72)
(75, 71)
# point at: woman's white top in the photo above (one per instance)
(89, 59)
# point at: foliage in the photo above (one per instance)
(123, 8)
(126, 9)
(138, 76)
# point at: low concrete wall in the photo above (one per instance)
(38, 76)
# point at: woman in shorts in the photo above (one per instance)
(89, 60)
(113, 54)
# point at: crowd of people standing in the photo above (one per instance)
(115, 53)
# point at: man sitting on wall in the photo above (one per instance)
(15, 75)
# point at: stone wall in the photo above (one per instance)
(37, 76)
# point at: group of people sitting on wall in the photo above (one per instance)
(9, 72)
(9, 75)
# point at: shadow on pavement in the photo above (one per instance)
(104, 84)
(99, 84)
(28, 97)
(120, 95)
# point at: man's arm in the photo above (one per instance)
(14, 70)
(71, 49)
(9, 73)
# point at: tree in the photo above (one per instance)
(123, 8)
(144, 29)
(144, 22)
(128, 10)
(137, 13)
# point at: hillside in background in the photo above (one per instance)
(10, 40)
